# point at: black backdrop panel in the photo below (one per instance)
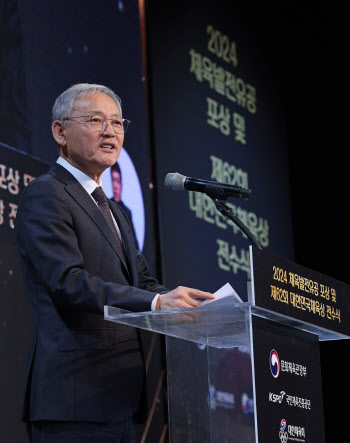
(16, 171)
(55, 45)
(218, 115)
(67, 43)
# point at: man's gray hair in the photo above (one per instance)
(64, 104)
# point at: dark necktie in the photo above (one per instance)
(103, 205)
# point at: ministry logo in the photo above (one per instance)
(274, 363)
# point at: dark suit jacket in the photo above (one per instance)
(80, 367)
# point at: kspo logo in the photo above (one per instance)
(274, 363)
(276, 397)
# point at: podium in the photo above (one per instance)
(243, 372)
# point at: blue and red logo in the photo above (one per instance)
(274, 363)
(283, 434)
(245, 403)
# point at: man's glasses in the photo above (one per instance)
(98, 124)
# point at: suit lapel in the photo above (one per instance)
(125, 234)
(84, 200)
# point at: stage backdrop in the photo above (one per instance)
(218, 115)
(45, 48)
(16, 171)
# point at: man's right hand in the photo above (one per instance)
(182, 297)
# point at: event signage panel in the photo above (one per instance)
(287, 383)
(290, 289)
(218, 116)
(17, 170)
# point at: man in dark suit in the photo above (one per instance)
(84, 376)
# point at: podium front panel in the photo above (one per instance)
(238, 372)
(287, 383)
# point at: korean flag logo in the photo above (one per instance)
(274, 363)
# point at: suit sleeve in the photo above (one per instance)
(52, 258)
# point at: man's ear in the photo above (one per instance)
(58, 132)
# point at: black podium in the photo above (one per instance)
(250, 372)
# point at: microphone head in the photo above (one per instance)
(175, 181)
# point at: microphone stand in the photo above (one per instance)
(219, 198)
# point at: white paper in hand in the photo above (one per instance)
(223, 293)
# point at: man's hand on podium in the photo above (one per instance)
(182, 297)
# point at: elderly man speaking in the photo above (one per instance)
(84, 376)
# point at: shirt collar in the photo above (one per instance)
(86, 182)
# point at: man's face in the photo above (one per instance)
(92, 152)
(116, 186)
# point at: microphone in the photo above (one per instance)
(179, 182)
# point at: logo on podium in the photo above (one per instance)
(274, 363)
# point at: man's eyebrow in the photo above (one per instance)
(102, 113)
